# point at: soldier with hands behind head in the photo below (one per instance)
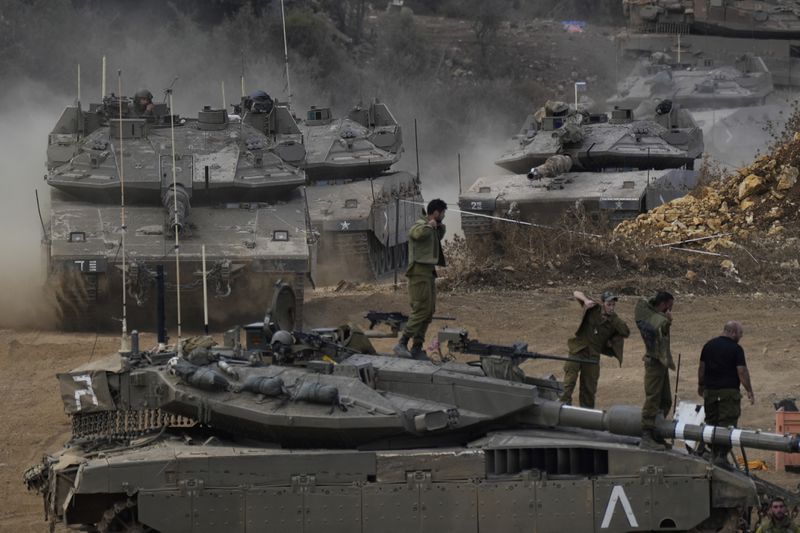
(601, 331)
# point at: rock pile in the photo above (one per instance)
(759, 200)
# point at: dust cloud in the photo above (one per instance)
(26, 117)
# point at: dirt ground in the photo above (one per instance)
(33, 420)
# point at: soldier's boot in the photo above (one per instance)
(418, 353)
(649, 442)
(401, 348)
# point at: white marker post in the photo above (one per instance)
(577, 85)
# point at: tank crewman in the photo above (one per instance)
(722, 370)
(654, 319)
(424, 255)
(777, 519)
(143, 106)
(601, 331)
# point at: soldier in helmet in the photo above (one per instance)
(143, 106)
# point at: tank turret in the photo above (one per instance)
(189, 439)
(217, 182)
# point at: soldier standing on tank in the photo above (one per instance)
(654, 319)
(143, 106)
(722, 370)
(777, 519)
(601, 331)
(424, 255)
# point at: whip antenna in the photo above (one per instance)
(205, 291)
(176, 222)
(123, 227)
(286, 56)
(79, 83)
(103, 81)
(224, 105)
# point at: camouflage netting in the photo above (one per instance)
(756, 204)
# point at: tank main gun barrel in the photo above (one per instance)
(626, 420)
(177, 219)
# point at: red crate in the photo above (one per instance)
(787, 422)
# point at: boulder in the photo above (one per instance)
(752, 184)
(787, 178)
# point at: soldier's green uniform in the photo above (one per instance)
(654, 327)
(597, 334)
(770, 525)
(424, 255)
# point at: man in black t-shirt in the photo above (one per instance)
(722, 370)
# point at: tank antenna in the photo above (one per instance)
(224, 105)
(79, 83)
(124, 342)
(416, 147)
(286, 57)
(205, 290)
(103, 81)
(175, 228)
(242, 76)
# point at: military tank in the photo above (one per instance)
(290, 433)
(719, 31)
(364, 225)
(606, 168)
(746, 82)
(225, 188)
(601, 141)
(361, 209)
(765, 19)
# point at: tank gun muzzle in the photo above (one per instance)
(176, 200)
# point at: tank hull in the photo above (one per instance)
(243, 261)
(506, 482)
(363, 225)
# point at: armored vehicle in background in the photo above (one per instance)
(575, 165)
(609, 197)
(362, 145)
(232, 193)
(364, 225)
(746, 82)
(289, 433)
(361, 210)
(596, 142)
(764, 19)
(719, 31)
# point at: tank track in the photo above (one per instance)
(125, 424)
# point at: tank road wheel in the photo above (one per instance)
(122, 518)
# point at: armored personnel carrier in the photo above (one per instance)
(600, 141)
(745, 82)
(225, 188)
(294, 436)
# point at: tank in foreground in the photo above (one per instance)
(605, 141)
(231, 194)
(300, 435)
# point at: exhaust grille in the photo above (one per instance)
(552, 461)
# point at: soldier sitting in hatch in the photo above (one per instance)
(143, 106)
(601, 332)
